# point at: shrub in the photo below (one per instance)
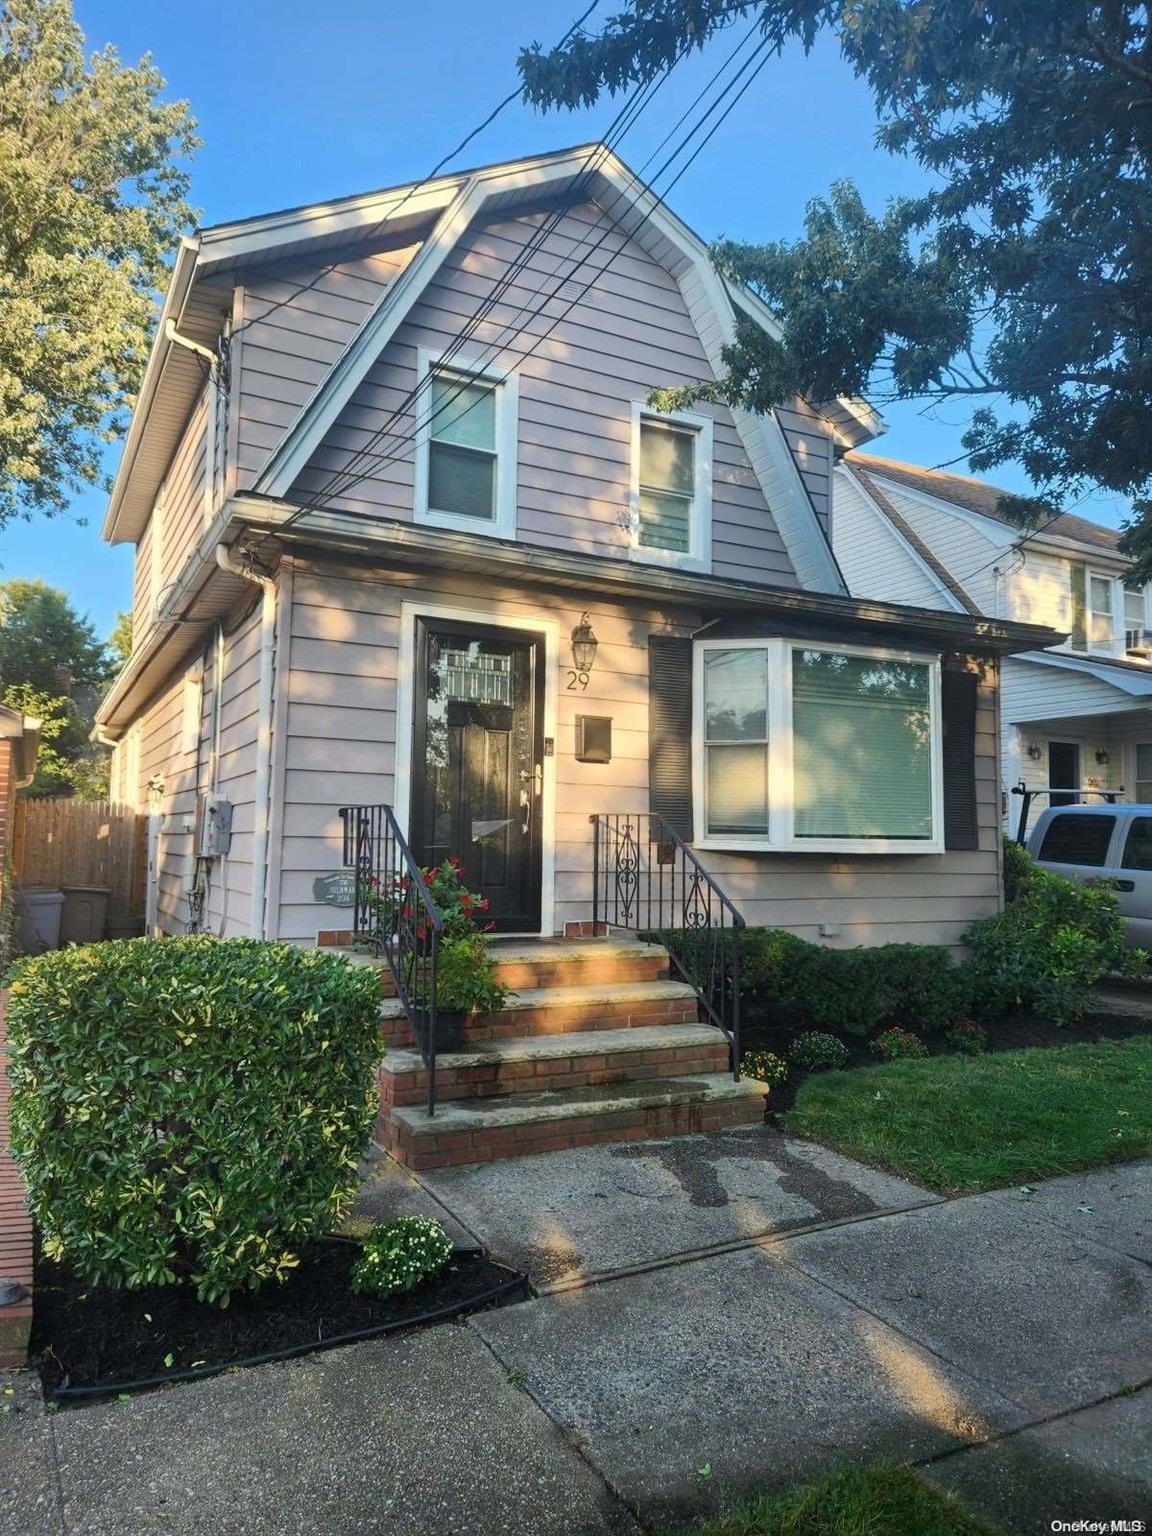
(400, 1255)
(968, 1037)
(1046, 950)
(763, 1067)
(898, 1044)
(789, 981)
(190, 1109)
(815, 1050)
(466, 976)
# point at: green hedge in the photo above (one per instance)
(789, 982)
(190, 1109)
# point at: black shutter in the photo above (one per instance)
(958, 705)
(670, 731)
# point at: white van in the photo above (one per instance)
(1103, 842)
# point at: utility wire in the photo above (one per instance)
(755, 63)
(416, 186)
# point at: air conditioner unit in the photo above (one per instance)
(213, 834)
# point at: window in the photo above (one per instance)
(671, 488)
(1138, 848)
(1100, 621)
(466, 454)
(1144, 773)
(813, 747)
(1077, 839)
(1135, 622)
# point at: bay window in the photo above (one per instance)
(817, 746)
(466, 448)
(671, 488)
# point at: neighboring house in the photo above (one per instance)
(476, 579)
(1075, 715)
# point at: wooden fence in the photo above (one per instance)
(82, 842)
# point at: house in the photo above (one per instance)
(409, 536)
(1076, 715)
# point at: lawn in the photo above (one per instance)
(962, 1123)
(860, 1501)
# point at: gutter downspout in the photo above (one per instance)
(267, 584)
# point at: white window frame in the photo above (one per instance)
(1091, 574)
(698, 556)
(781, 836)
(1145, 593)
(502, 525)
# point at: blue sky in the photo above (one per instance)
(299, 102)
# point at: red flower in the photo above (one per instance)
(483, 904)
(489, 927)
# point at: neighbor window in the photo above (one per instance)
(813, 746)
(1101, 636)
(671, 474)
(1134, 617)
(465, 464)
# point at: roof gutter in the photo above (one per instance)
(406, 543)
(183, 271)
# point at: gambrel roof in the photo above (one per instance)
(438, 213)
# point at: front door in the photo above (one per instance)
(1063, 771)
(477, 762)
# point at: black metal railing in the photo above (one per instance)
(646, 879)
(394, 912)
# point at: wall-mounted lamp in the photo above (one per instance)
(584, 644)
(1102, 756)
(1035, 751)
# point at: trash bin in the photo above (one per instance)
(38, 910)
(85, 908)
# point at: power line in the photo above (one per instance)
(416, 186)
(347, 481)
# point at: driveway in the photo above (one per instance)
(720, 1318)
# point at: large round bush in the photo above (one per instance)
(190, 1109)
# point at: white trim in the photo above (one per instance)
(1000, 534)
(405, 709)
(211, 423)
(698, 556)
(506, 389)
(781, 837)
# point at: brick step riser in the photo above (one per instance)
(460, 1147)
(517, 1022)
(522, 975)
(493, 1079)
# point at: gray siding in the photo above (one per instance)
(186, 771)
(340, 749)
(809, 441)
(291, 339)
(630, 333)
(182, 498)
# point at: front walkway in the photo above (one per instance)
(679, 1359)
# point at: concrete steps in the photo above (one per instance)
(597, 1043)
(519, 1125)
(534, 1063)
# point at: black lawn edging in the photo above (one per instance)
(92, 1343)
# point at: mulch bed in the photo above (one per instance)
(92, 1336)
(1017, 1033)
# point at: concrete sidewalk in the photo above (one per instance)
(1000, 1342)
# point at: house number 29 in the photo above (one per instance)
(577, 681)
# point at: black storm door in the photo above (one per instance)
(477, 763)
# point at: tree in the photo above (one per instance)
(1021, 283)
(52, 665)
(92, 198)
(120, 640)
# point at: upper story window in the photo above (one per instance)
(1135, 617)
(466, 449)
(671, 488)
(817, 748)
(1096, 610)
